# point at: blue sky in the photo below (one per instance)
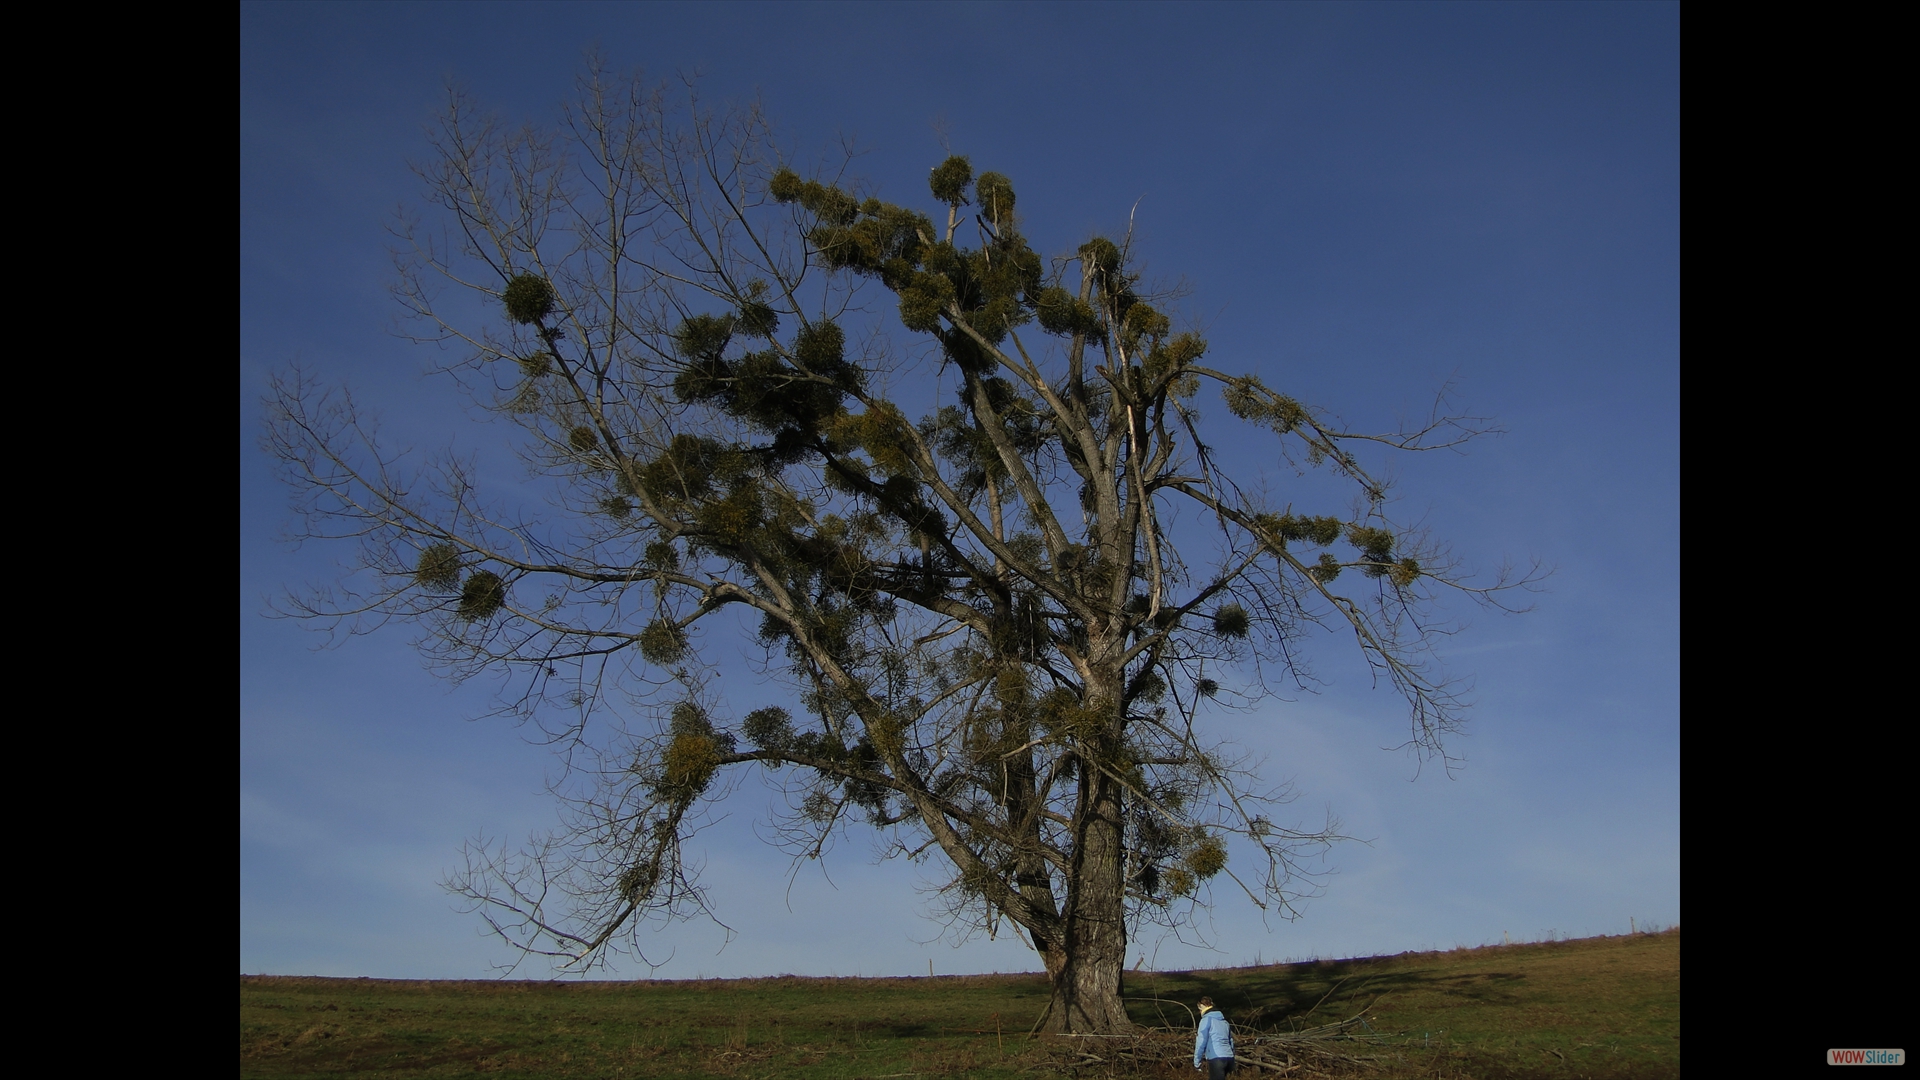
(1365, 201)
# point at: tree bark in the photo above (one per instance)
(1086, 986)
(1086, 980)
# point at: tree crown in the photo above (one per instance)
(1002, 648)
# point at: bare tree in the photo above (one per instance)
(1003, 650)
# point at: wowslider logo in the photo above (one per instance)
(1866, 1057)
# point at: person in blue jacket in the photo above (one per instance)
(1213, 1043)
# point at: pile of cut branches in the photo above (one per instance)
(1345, 1047)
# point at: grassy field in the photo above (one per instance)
(1596, 1007)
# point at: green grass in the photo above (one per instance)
(1597, 1007)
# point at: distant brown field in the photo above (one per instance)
(1595, 1007)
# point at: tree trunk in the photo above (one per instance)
(1086, 990)
(1086, 986)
